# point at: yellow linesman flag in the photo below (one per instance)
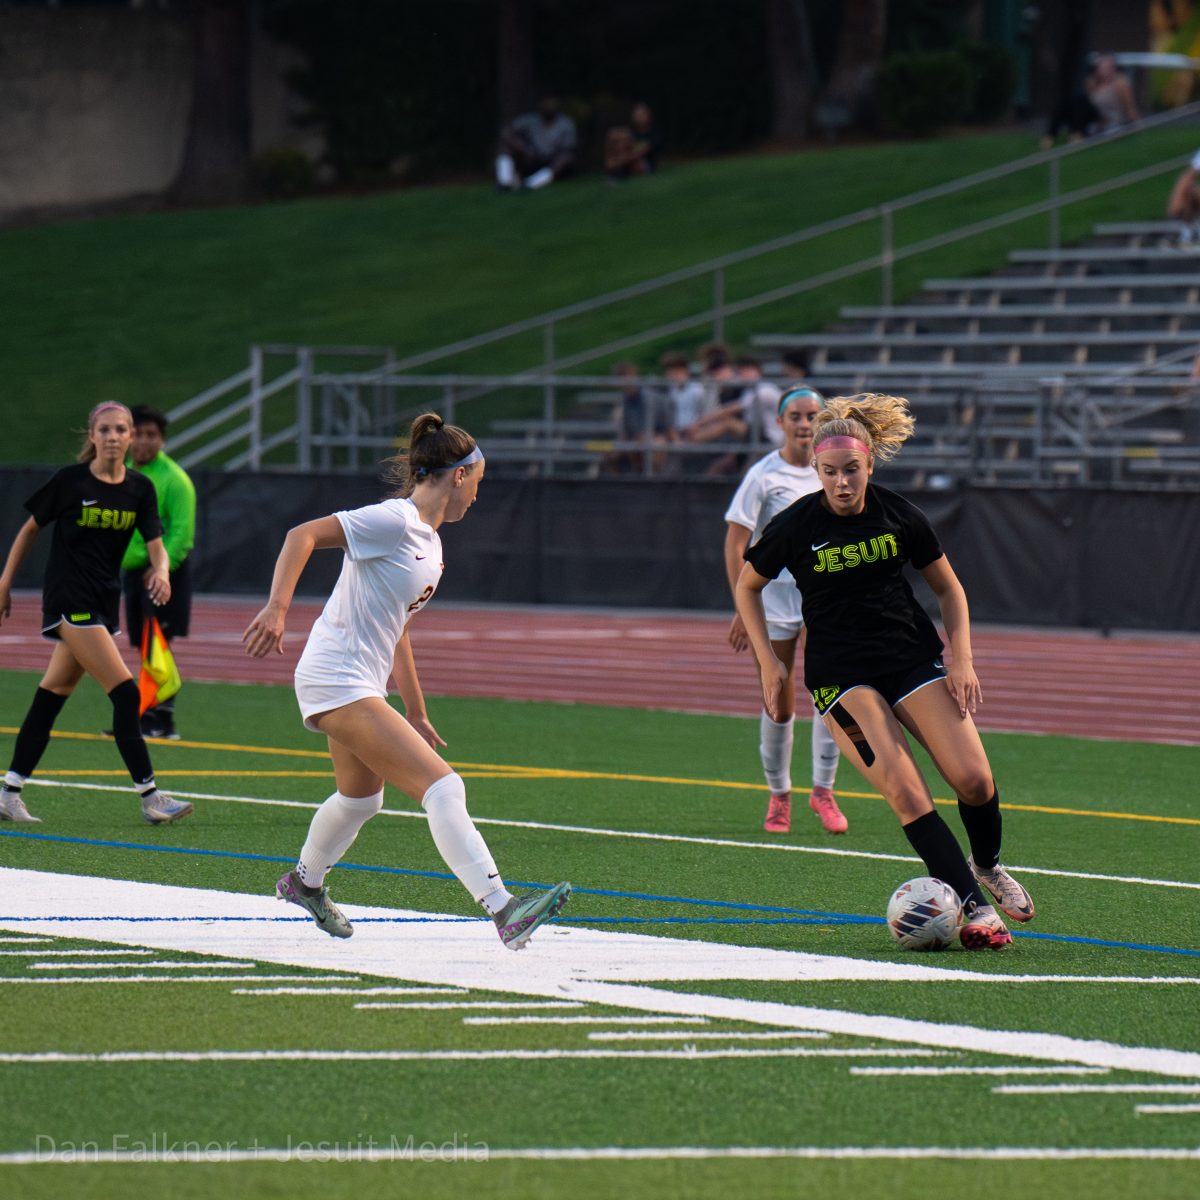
(158, 679)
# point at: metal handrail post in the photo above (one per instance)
(304, 409)
(887, 255)
(1055, 204)
(719, 305)
(548, 392)
(255, 423)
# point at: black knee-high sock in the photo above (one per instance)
(34, 735)
(931, 838)
(127, 732)
(983, 825)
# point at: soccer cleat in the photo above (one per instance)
(324, 912)
(1011, 898)
(158, 724)
(779, 813)
(982, 929)
(12, 807)
(825, 806)
(159, 809)
(517, 920)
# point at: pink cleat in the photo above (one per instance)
(825, 806)
(779, 813)
(984, 930)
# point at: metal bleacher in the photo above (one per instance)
(1067, 365)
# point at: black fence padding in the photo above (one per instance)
(1071, 556)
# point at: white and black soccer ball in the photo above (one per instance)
(924, 914)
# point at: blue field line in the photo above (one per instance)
(792, 916)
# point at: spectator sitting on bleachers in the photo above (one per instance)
(724, 419)
(1110, 95)
(1183, 204)
(760, 402)
(640, 419)
(536, 148)
(794, 365)
(686, 399)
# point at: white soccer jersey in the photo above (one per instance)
(770, 486)
(392, 566)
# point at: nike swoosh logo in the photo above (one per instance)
(421, 557)
(87, 503)
(820, 547)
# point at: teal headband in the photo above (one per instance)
(475, 456)
(792, 393)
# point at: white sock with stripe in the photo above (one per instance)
(825, 754)
(461, 845)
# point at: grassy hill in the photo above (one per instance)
(153, 308)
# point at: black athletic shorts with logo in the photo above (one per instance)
(106, 615)
(893, 686)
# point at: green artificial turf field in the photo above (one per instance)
(727, 1063)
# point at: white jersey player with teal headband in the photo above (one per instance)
(392, 566)
(772, 484)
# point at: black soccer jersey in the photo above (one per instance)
(93, 522)
(862, 617)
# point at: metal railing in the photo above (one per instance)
(234, 409)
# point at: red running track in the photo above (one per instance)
(1057, 682)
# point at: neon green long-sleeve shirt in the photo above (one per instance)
(176, 510)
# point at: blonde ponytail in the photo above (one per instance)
(882, 422)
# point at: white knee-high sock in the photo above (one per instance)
(825, 754)
(775, 748)
(461, 845)
(334, 827)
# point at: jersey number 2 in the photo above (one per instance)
(421, 599)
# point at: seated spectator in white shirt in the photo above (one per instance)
(760, 402)
(536, 148)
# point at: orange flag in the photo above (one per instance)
(158, 679)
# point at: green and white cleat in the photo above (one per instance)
(517, 920)
(316, 902)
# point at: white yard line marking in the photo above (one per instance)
(77, 953)
(143, 966)
(23, 941)
(621, 1035)
(978, 1070)
(56, 979)
(1165, 1109)
(619, 1020)
(57, 1058)
(349, 991)
(1096, 1089)
(457, 1004)
(637, 835)
(195, 1152)
(564, 963)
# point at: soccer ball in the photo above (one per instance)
(924, 914)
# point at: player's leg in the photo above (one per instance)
(775, 743)
(388, 746)
(872, 739)
(932, 716)
(93, 648)
(60, 679)
(825, 756)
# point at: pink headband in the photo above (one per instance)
(843, 443)
(106, 405)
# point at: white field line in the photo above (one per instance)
(566, 962)
(1165, 1109)
(57, 1058)
(28, 941)
(585, 1020)
(349, 991)
(434, 1005)
(57, 979)
(1096, 1089)
(632, 1035)
(163, 965)
(637, 835)
(453, 1152)
(978, 1070)
(77, 953)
